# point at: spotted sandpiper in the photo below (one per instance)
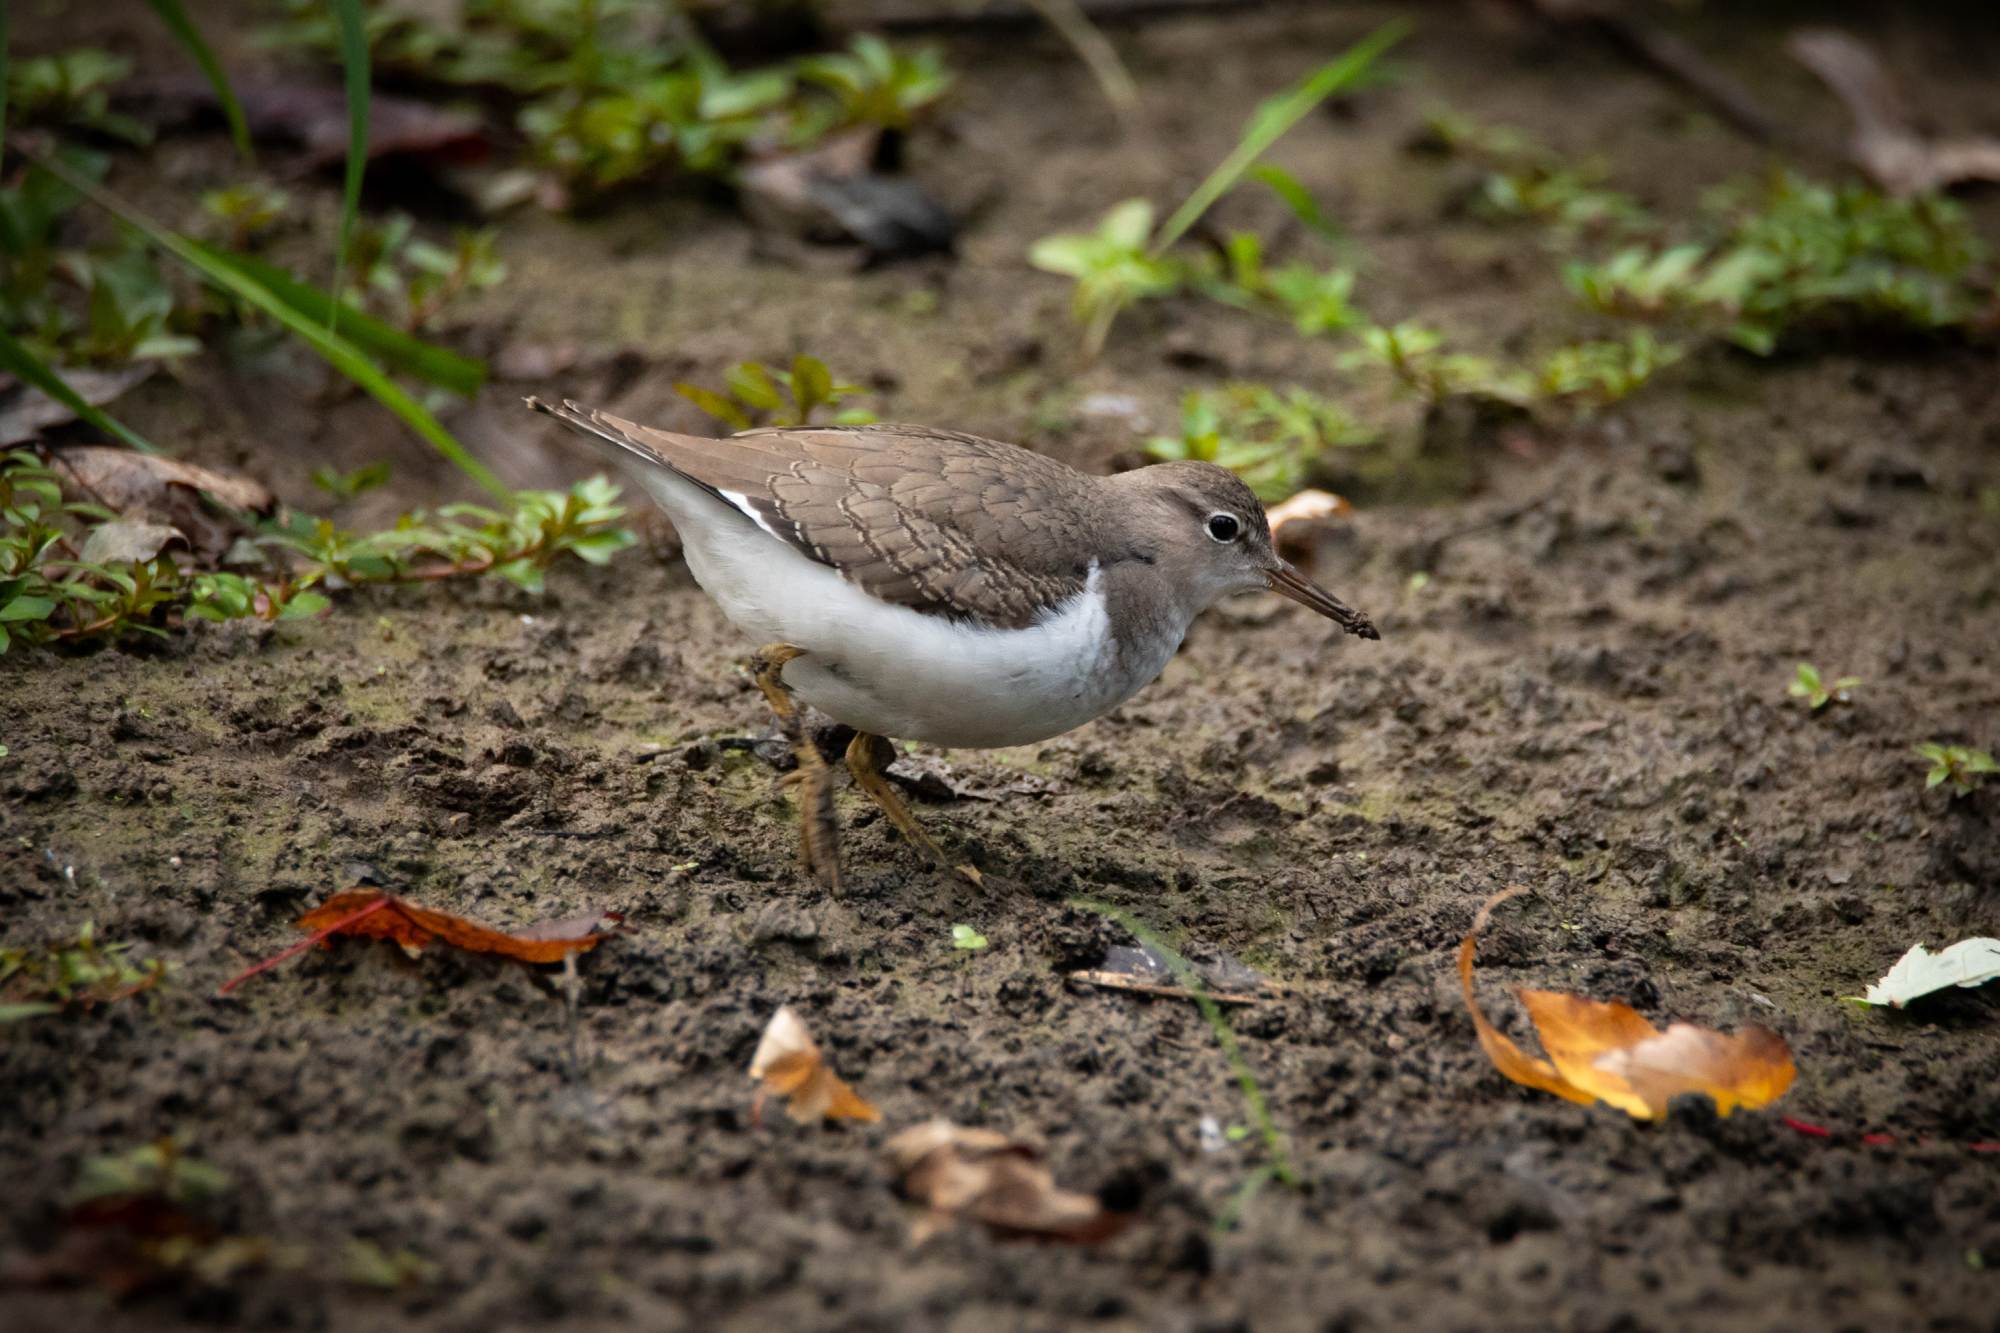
(934, 586)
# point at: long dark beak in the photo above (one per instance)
(1288, 582)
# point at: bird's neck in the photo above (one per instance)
(1148, 616)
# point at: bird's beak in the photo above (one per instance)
(1286, 581)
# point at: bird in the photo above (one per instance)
(920, 584)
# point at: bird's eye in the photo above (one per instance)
(1224, 527)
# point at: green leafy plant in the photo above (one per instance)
(410, 281)
(347, 485)
(1807, 684)
(246, 212)
(73, 89)
(965, 937)
(755, 394)
(1600, 372)
(1273, 439)
(1801, 256)
(1964, 768)
(51, 593)
(160, 1169)
(873, 83)
(1126, 259)
(1413, 356)
(1527, 180)
(78, 973)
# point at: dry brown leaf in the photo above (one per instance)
(991, 1178)
(788, 1063)
(26, 413)
(148, 488)
(373, 914)
(1884, 143)
(1607, 1051)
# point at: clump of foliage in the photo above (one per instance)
(1127, 259)
(1599, 372)
(74, 305)
(72, 89)
(1317, 300)
(1809, 685)
(245, 212)
(160, 1169)
(72, 974)
(1526, 179)
(1273, 439)
(50, 592)
(1962, 767)
(755, 394)
(1800, 256)
(612, 91)
(408, 280)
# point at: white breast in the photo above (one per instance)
(896, 672)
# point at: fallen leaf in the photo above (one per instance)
(959, 1173)
(148, 488)
(314, 116)
(28, 411)
(788, 1063)
(1971, 962)
(373, 914)
(1599, 1051)
(1884, 144)
(124, 540)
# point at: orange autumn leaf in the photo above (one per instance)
(1606, 1051)
(788, 1064)
(374, 914)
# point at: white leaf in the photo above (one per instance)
(1917, 973)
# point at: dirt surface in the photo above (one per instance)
(1587, 697)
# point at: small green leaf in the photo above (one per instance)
(14, 1013)
(753, 386)
(965, 937)
(715, 405)
(27, 608)
(304, 604)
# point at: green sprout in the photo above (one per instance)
(1958, 765)
(1272, 439)
(1808, 685)
(872, 83)
(78, 973)
(965, 937)
(73, 89)
(758, 395)
(1526, 179)
(1113, 267)
(246, 212)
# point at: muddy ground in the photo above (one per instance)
(1587, 697)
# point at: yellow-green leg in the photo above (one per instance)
(865, 761)
(819, 834)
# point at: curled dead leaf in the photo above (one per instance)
(373, 914)
(788, 1063)
(1293, 520)
(1884, 143)
(151, 489)
(1599, 1051)
(991, 1178)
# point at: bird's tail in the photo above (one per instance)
(613, 436)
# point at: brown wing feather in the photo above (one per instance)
(938, 521)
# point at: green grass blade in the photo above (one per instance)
(28, 368)
(1280, 1160)
(1271, 120)
(341, 354)
(6, 43)
(182, 27)
(390, 346)
(354, 59)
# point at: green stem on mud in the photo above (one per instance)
(1280, 1163)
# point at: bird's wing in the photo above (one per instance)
(940, 522)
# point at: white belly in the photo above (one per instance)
(896, 672)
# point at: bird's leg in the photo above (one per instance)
(819, 834)
(865, 761)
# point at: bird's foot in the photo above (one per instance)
(867, 756)
(819, 830)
